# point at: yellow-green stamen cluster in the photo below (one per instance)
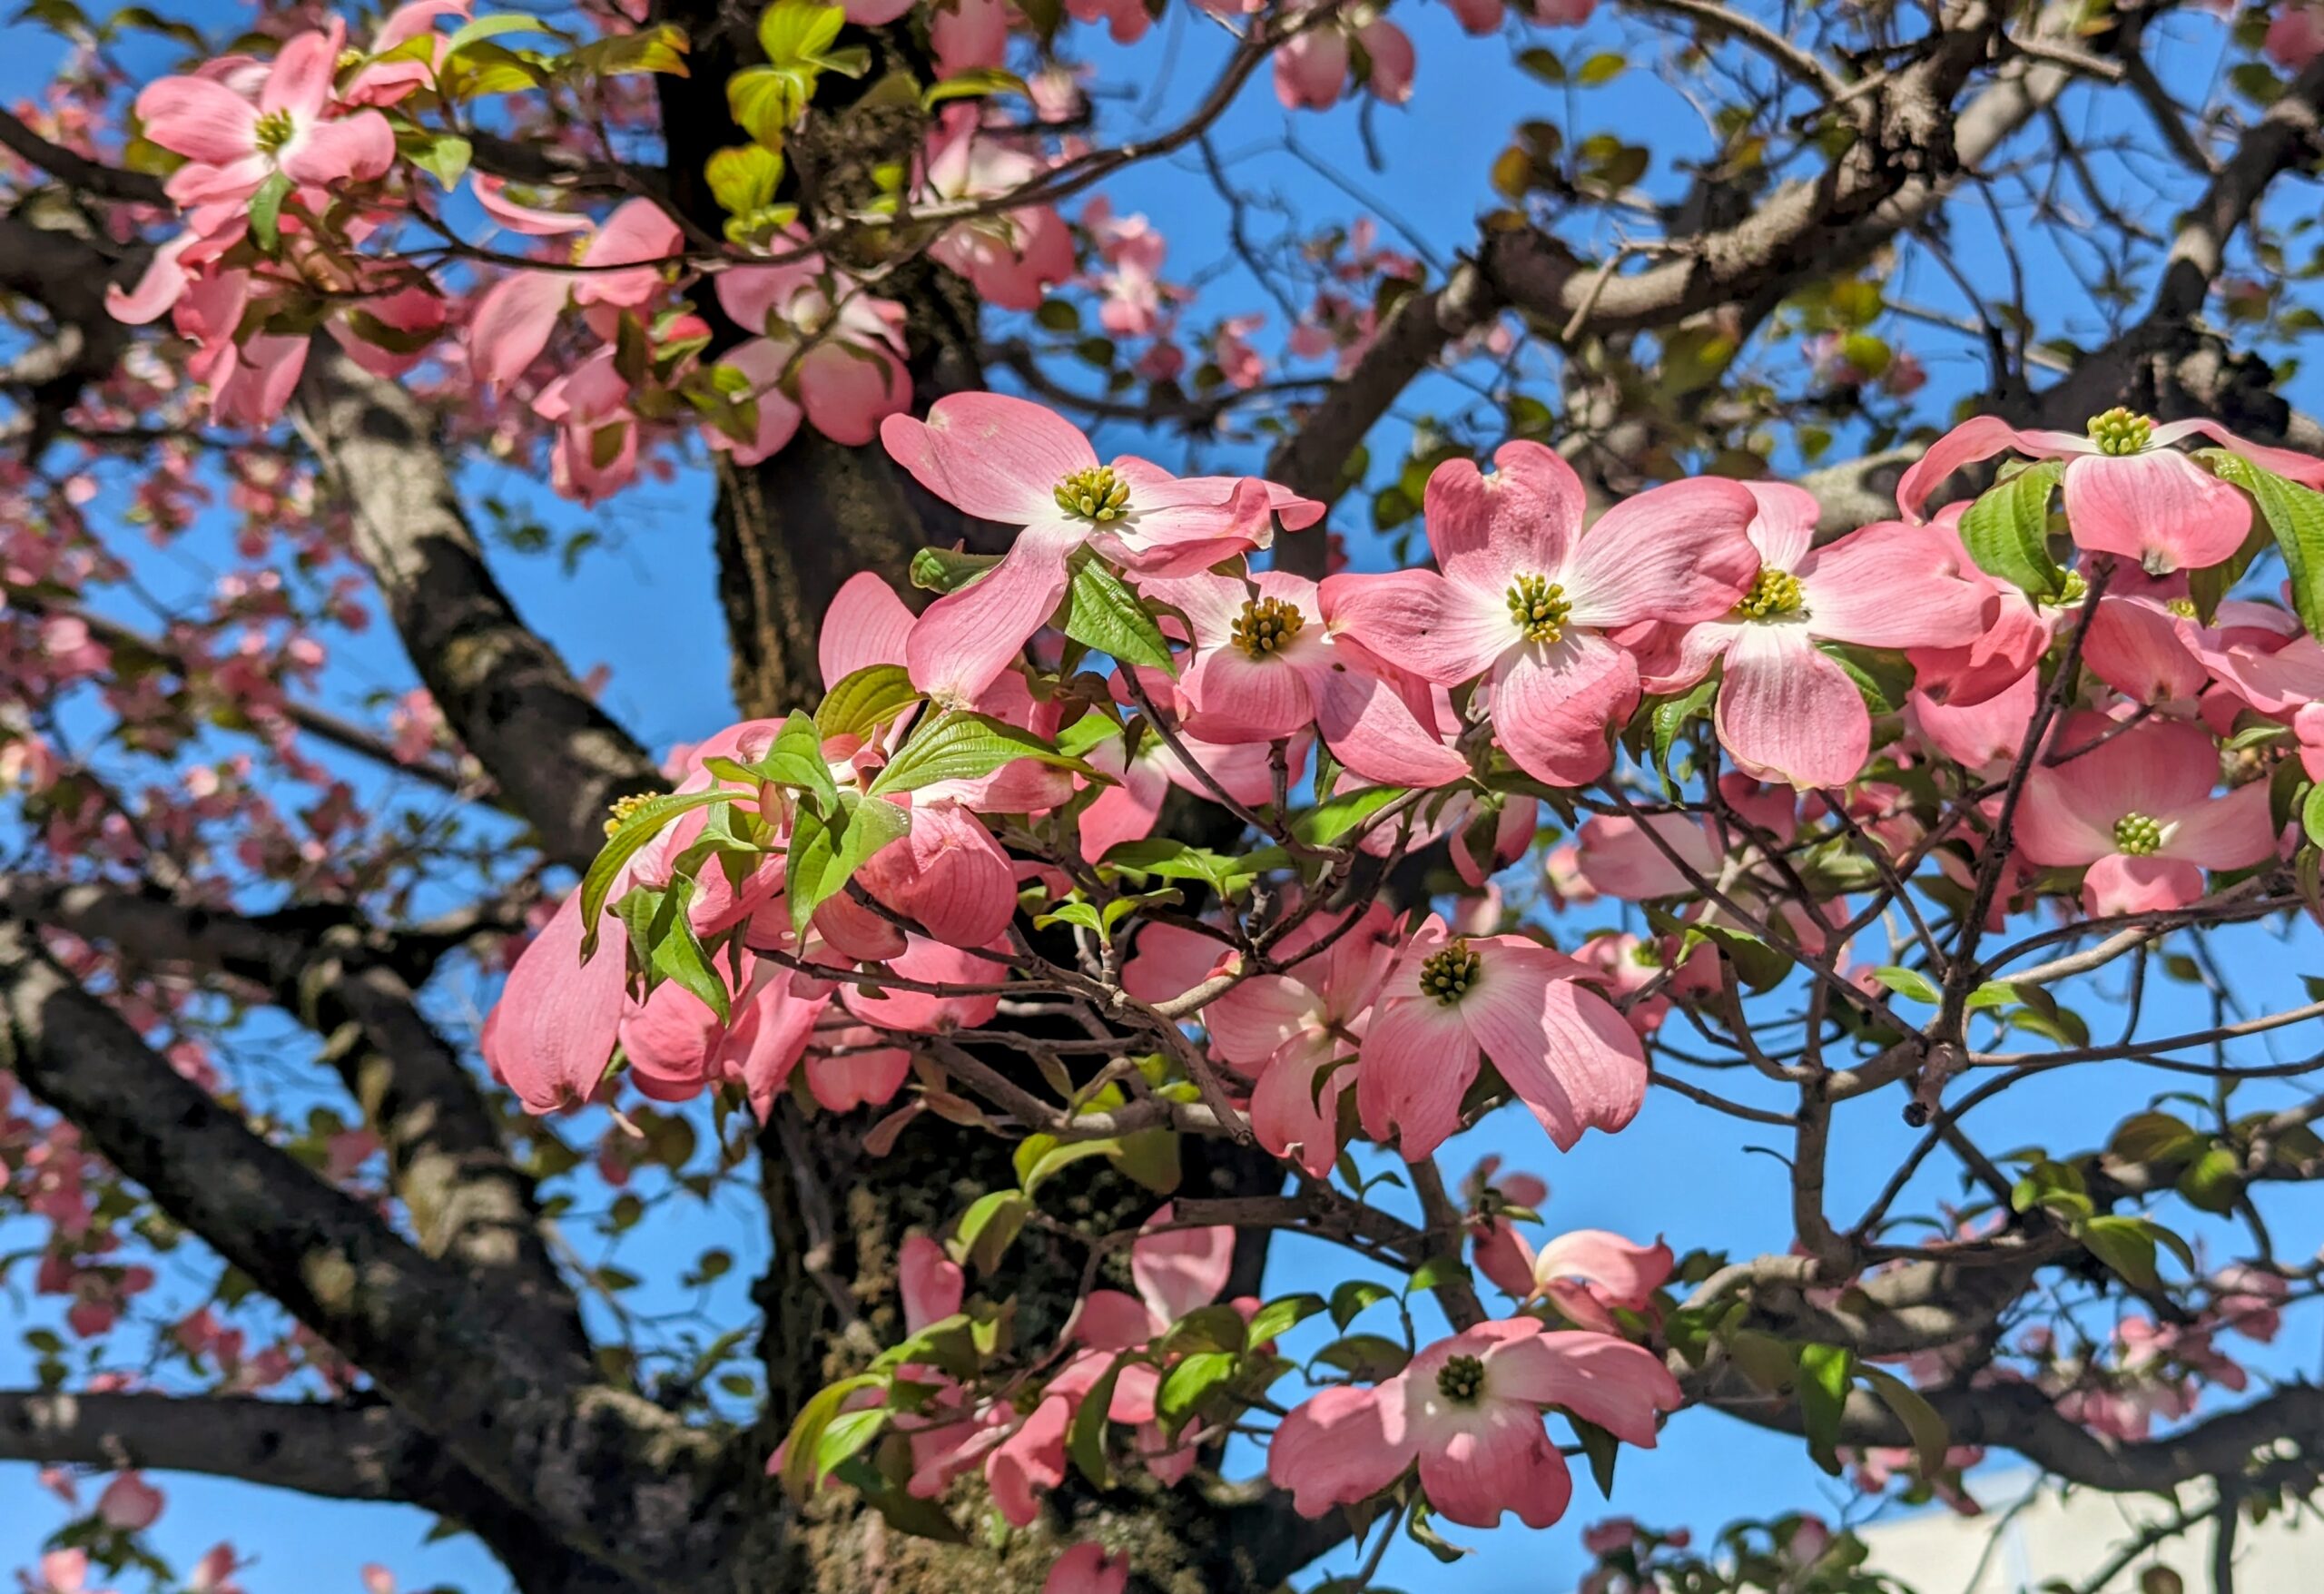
(623, 807)
(1267, 626)
(273, 131)
(2121, 431)
(1647, 955)
(1539, 606)
(1094, 494)
(2072, 591)
(1461, 1380)
(1448, 975)
(2185, 607)
(2136, 835)
(1773, 593)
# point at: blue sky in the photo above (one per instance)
(645, 604)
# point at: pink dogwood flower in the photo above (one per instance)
(1468, 1410)
(232, 144)
(1007, 460)
(1087, 1569)
(1559, 1046)
(513, 320)
(825, 350)
(1012, 257)
(2127, 491)
(1525, 597)
(2137, 811)
(1787, 710)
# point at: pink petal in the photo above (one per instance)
(2158, 507)
(512, 324)
(2160, 769)
(2134, 645)
(1888, 586)
(1553, 705)
(1597, 1378)
(491, 194)
(1788, 712)
(1029, 1460)
(1980, 438)
(1234, 697)
(1501, 1458)
(199, 119)
(2231, 832)
(1627, 1273)
(553, 1028)
(1417, 1061)
(1619, 859)
(1178, 1270)
(992, 456)
(357, 149)
(300, 82)
(1419, 621)
(1344, 1444)
(1571, 1060)
(1983, 734)
(932, 1283)
(1291, 1118)
(1251, 1022)
(1085, 1568)
(2118, 884)
(965, 638)
(1371, 724)
(1784, 529)
(847, 390)
(1677, 552)
(866, 625)
(1522, 520)
(948, 874)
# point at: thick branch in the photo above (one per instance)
(558, 759)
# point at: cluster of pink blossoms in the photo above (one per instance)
(871, 862)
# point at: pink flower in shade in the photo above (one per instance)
(2016, 633)
(1126, 810)
(1787, 710)
(1558, 1045)
(515, 316)
(1005, 459)
(387, 82)
(64, 1572)
(1983, 737)
(2127, 491)
(1265, 664)
(1587, 1273)
(2134, 644)
(232, 146)
(1127, 20)
(1087, 1569)
(1563, 13)
(1010, 257)
(1526, 597)
(1477, 16)
(130, 1503)
(1310, 69)
(214, 1572)
(1468, 1410)
(2295, 36)
(836, 348)
(968, 34)
(2137, 809)
(1290, 1031)
(595, 453)
(1495, 1203)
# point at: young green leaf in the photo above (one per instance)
(1103, 613)
(825, 854)
(957, 746)
(2007, 531)
(636, 826)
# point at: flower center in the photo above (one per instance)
(2120, 431)
(1461, 1380)
(1448, 975)
(1094, 494)
(1539, 606)
(2185, 607)
(1647, 955)
(1267, 625)
(274, 130)
(623, 807)
(2072, 592)
(2137, 836)
(1773, 593)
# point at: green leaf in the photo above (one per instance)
(2295, 515)
(1672, 715)
(442, 155)
(864, 701)
(799, 30)
(1169, 859)
(1435, 1272)
(942, 570)
(638, 826)
(661, 48)
(765, 101)
(1218, 1327)
(1084, 1442)
(1759, 965)
(976, 83)
(1931, 1437)
(266, 212)
(845, 1435)
(1327, 821)
(668, 947)
(2311, 815)
(1353, 1295)
(744, 177)
(1101, 613)
(825, 854)
(2153, 1137)
(1368, 1356)
(1909, 982)
(494, 26)
(2124, 1244)
(2213, 1181)
(959, 745)
(2007, 531)
(1278, 1317)
(987, 1229)
(1189, 1383)
(1033, 1173)
(1825, 1372)
(1603, 67)
(800, 1469)
(1602, 1449)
